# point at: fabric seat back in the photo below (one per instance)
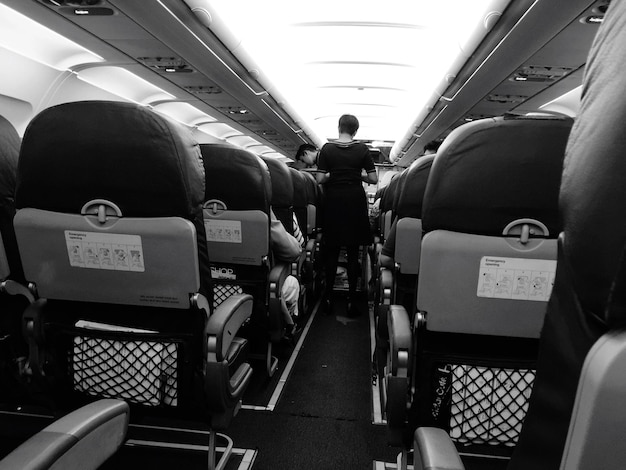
(488, 258)
(587, 311)
(101, 206)
(490, 220)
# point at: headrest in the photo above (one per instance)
(282, 187)
(593, 191)
(236, 177)
(412, 193)
(490, 172)
(312, 188)
(9, 153)
(386, 201)
(299, 188)
(122, 152)
(398, 189)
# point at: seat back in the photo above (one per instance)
(300, 199)
(237, 220)
(487, 235)
(93, 212)
(386, 205)
(282, 191)
(237, 206)
(582, 342)
(312, 203)
(10, 141)
(409, 216)
(109, 226)
(12, 346)
(487, 265)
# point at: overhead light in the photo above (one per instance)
(184, 113)
(380, 78)
(593, 19)
(30, 39)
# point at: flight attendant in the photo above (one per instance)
(343, 165)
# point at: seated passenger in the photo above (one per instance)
(285, 247)
(306, 158)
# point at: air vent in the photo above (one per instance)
(475, 117)
(506, 99)
(233, 110)
(537, 73)
(203, 90)
(166, 64)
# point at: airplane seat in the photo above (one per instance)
(14, 296)
(488, 254)
(387, 197)
(576, 418)
(313, 234)
(283, 207)
(84, 438)
(386, 206)
(403, 243)
(282, 191)
(110, 230)
(398, 274)
(237, 219)
(301, 232)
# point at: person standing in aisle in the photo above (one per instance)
(343, 165)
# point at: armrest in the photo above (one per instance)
(275, 314)
(397, 380)
(386, 286)
(15, 288)
(309, 249)
(84, 439)
(434, 450)
(224, 324)
(400, 340)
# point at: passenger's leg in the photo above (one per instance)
(290, 294)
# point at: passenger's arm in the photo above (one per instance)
(284, 246)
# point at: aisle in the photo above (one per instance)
(323, 420)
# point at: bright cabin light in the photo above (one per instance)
(124, 84)
(30, 39)
(183, 112)
(243, 141)
(352, 56)
(568, 103)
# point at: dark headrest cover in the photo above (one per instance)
(386, 201)
(312, 189)
(9, 153)
(593, 193)
(398, 189)
(236, 177)
(122, 152)
(412, 193)
(282, 187)
(299, 188)
(490, 172)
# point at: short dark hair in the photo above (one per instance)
(432, 145)
(303, 148)
(348, 124)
